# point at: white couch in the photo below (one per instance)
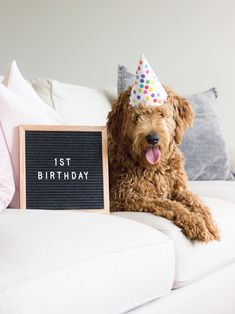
(59, 262)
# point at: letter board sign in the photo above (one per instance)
(63, 167)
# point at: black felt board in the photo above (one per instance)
(64, 170)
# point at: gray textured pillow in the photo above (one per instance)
(125, 79)
(203, 146)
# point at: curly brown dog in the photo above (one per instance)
(146, 165)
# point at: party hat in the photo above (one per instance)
(147, 87)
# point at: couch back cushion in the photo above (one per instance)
(79, 105)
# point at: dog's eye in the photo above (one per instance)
(137, 117)
(162, 113)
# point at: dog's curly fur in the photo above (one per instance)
(162, 188)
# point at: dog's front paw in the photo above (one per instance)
(194, 227)
(214, 231)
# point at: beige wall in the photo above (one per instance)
(190, 43)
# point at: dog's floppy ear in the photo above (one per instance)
(183, 116)
(117, 117)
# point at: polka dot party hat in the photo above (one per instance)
(147, 87)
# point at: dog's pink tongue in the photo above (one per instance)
(153, 155)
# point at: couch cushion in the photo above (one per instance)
(195, 259)
(44, 89)
(76, 262)
(80, 105)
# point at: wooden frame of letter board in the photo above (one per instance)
(22, 183)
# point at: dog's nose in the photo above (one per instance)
(152, 138)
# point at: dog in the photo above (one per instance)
(147, 168)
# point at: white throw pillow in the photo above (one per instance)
(43, 87)
(19, 104)
(7, 186)
(80, 105)
(16, 82)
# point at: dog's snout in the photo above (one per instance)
(152, 139)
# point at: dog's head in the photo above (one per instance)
(149, 133)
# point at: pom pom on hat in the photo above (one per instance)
(147, 87)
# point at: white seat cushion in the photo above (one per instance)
(195, 259)
(76, 262)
